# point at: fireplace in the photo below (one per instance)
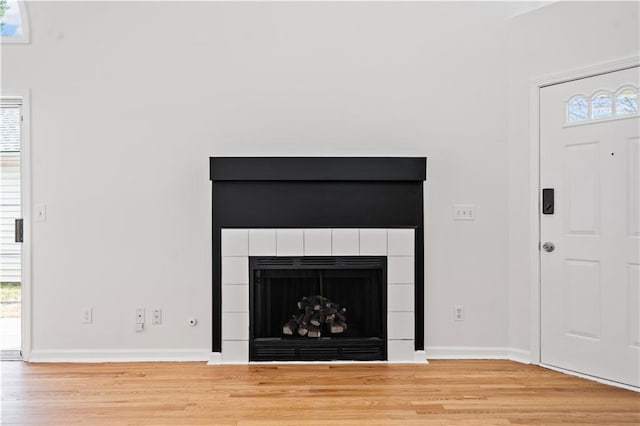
(316, 308)
(345, 232)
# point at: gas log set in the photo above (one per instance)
(314, 314)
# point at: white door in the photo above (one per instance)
(590, 282)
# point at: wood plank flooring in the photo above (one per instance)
(440, 393)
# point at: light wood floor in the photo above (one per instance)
(440, 393)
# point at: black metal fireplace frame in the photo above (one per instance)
(325, 348)
(317, 192)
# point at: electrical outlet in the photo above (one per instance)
(87, 315)
(157, 316)
(140, 316)
(458, 313)
(464, 212)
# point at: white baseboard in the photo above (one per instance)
(420, 357)
(215, 358)
(118, 355)
(479, 352)
(592, 378)
(519, 355)
(10, 355)
(466, 352)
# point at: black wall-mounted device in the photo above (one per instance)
(548, 202)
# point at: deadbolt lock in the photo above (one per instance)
(549, 246)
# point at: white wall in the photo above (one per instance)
(561, 37)
(130, 99)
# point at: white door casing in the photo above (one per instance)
(590, 289)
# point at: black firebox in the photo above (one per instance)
(317, 308)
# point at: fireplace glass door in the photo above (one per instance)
(317, 308)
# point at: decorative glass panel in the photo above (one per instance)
(601, 107)
(577, 110)
(627, 102)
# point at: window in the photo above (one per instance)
(578, 110)
(626, 102)
(13, 22)
(603, 105)
(11, 207)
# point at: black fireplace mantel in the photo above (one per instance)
(318, 169)
(317, 192)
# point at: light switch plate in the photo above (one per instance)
(40, 212)
(464, 212)
(87, 315)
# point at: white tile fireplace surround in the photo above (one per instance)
(396, 244)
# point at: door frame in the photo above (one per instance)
(535, 87)
(25, 200)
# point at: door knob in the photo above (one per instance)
(549, 246)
